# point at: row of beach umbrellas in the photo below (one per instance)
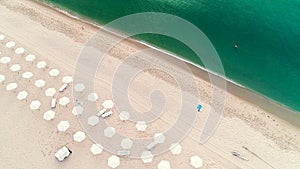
(126, 143)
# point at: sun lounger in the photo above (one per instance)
(123, 153)
(107, 114)
(63, 87)
(151, 145)
(101, 112)
(63, 153)
(53, 103)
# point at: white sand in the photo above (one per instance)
(28, 141)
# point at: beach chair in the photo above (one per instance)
(63, 153)
(151, 145)
(63, 87)
(101, 112)
(53, 103)
(123, 153)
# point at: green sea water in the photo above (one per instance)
(267, 31)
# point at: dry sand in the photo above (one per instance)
(28, 141)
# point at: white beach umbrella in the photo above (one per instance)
(5, 59)
(141, 126)
(40, 83)
(124, 115)
(126, 143)
(2, 37)
(147, 157)
(93, 120)
(109, 132)
(15, 67)
(67, 79)
(11, 86)
(196, 161)
(108, 104)
(10, 44)
(159, 138)
(19, 51)
(22, 95)
(175, 149)
(79, 87)
(41, 64)
(77, 110)
(64, 101)
(113, 161)
(54, 72)
(49, 115)
(34, 105)
(79, 136)
(30, 58)
(92, 97)
(27, 75)
(96, 149)
(163, 164)
(2, 78)
(50, 92)
(63, 126)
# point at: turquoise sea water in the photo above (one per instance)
(268, 34)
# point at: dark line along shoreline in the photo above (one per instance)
(242, 92)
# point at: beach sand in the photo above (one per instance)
(28, 141)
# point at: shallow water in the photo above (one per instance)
(268, 34)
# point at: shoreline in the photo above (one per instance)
(250, 95)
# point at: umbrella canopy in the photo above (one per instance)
(159, 138)
(126, 143)
(10, 44)
(196, 161)
(199, 107)
(67, 79)
(92, 97)
(163, 164)
(64, 101)
(175, 148)
(5, 60)
(79, 136)
(30, 58)
(141, 126)
(108, 104)
(77, 110)
(93, 120)
(113, 161)
(15, 67)
(96, 149)
(22, 95)
(147, 157)
(79, 87)
(49, 115)
(2, 78)
(41, 64)
(109, 132)
(63, 126)
(34, 105)
(2, 37)
(124, 115)
(40, 83)
(27, 75)
(54, 72)
(11, 86)
(50, 92)
(19, 51)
